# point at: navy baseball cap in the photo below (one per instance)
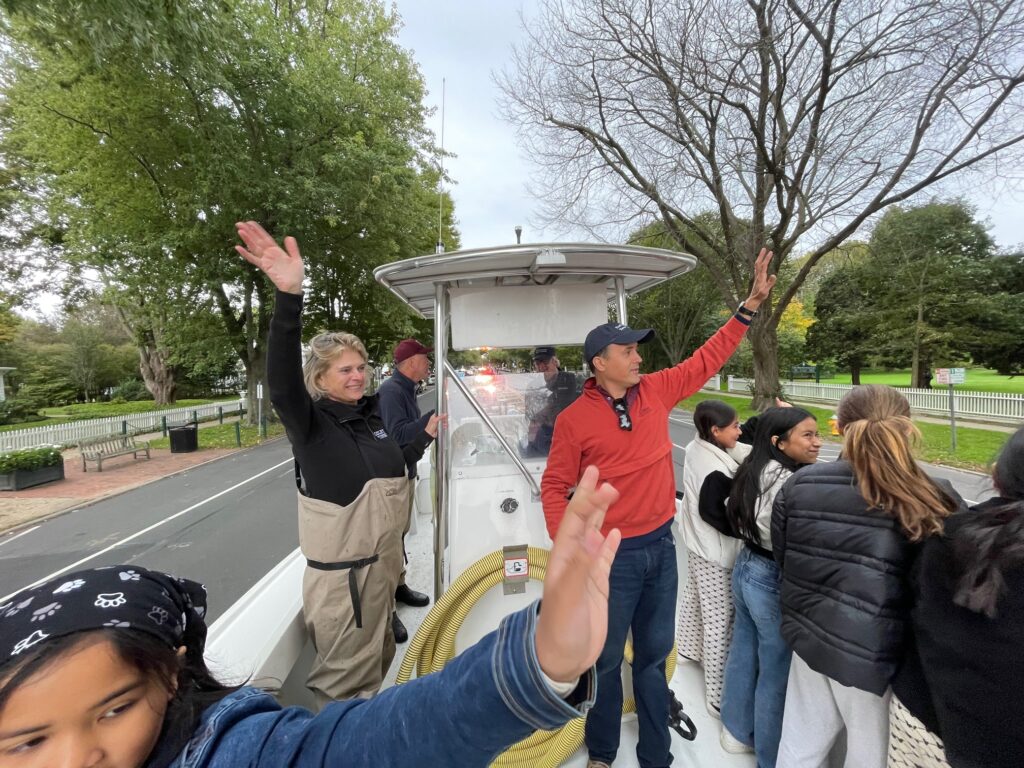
(613, 333)
(543, 353)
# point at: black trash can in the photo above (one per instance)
(184, 438)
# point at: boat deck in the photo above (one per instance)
(688, 681)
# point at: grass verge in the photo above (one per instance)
(975, 448)
(223, 436)
(978, 380)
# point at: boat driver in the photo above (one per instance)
(561, 391)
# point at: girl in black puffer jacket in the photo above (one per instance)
(845, 536)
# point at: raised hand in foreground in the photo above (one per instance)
(282, 265)
(573, 622)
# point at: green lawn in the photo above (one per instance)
(223, 436)
(976, 448)
(978, 380)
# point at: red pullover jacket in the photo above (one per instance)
(639, 462)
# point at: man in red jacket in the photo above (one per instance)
(620, 425)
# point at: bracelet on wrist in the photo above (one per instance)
(742, 309)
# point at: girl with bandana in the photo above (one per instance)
(105, 667)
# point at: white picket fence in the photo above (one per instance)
(992, 406)
(71, 432)
(714, 383)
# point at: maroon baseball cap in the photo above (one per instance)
(408, 347)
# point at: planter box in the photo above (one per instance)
(26, 478)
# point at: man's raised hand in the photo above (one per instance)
(763, 282)
(283, 266)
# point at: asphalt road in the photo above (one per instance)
(225, 523)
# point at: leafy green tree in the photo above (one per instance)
(844, 318)
(306, 116)
(930, 263)
(998, 341)
(930, 292)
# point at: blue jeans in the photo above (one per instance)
(754, 693)
(642, 597)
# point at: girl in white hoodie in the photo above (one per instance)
(705, 609)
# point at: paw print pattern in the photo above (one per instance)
(12, 608)
(110, 600)
(117, 623)
(41, 614)
(158, 615)
(29, 641)
(128, 576)
(69, 586)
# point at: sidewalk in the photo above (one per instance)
(78, 488)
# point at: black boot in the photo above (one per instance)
(411, 597)
(401, 633)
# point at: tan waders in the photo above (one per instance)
(353, 561)
(407, 526)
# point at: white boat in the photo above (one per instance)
(483, 484)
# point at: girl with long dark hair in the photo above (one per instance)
(754, 693)
(969, 627)
(845, 536)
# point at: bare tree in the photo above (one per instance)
(794, 120)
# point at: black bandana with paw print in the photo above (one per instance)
(118, 596)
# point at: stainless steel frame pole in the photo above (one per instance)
(620, 299)
(440, 445)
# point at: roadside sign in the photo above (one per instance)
(950, 375)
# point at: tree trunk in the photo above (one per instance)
(256, 374)
(922, 370)
(765, 344)
(157, 374)
(855, 373)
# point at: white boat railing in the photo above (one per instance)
(994, 406)
(72, 432)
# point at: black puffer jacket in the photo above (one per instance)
(845, 577)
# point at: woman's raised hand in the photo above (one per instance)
(573, 622)
(282, 265)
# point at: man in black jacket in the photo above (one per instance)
(404, 423)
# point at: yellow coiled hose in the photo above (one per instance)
(434, 646)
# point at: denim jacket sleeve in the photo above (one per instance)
(488, 698)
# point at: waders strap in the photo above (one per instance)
(353, 587)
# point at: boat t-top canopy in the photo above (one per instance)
(415, 280)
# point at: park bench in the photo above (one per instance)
(99, 448)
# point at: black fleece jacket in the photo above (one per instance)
(964, 677)
(338, 446)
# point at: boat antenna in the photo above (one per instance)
(440, 178)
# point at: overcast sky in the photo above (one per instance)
(464, 43)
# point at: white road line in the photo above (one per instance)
(677, 445)
(18, 535)
(136, 535)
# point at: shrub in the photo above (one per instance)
(15, 410)
(30, 458)
(129, 390)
